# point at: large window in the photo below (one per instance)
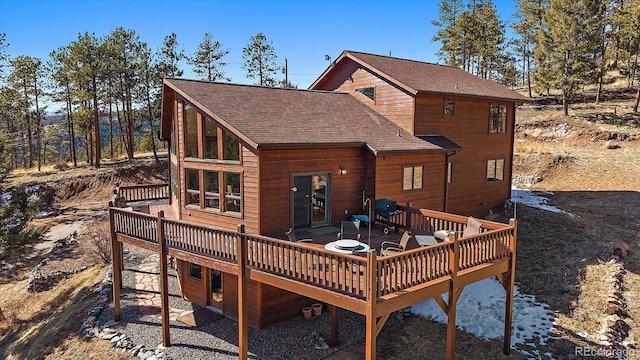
(495, 170)
(201, 131)
(498, 119)
(230, 188)
(412, 178)
(190, 132)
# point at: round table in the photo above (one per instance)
(332, 247)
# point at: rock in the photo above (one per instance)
(621, 249)
(610, 144)
(108, 336)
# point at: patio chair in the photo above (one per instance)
(349, 229)
(292, 237)
(474, 227)
(390, 247)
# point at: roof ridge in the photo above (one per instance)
(403, 59)
(252, 85)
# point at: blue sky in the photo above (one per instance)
(302, 31)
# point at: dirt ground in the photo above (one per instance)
(587, 165)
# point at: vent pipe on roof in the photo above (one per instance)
(457, 85)
(399, 132)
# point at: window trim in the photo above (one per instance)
(221, 189)
(413, 175)
(495, 178)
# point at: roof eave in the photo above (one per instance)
(442, 93)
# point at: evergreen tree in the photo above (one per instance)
(169, 57)
(4, 58)
(568, 40)
(207, 60)
(448, 33)
(529, 15)
(60, 72)
(260, 60)
(17, 233)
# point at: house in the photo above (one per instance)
(430, 100)
(429, 136)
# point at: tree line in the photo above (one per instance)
(110, 88)
(559, 45)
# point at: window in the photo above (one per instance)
(368, 92)
(192, 184)
(195, 271)
(495, 170)
(231, 147)
(211, 190)
(449, 173)
(412, 178)
(449, 108)
(200, 130)
(498, 119)
(210, 139)
(232, 196)
(190, 132)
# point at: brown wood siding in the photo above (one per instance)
(389, 178)
(193, 290)
(390, 101)
(277, 167)
(470, 193)
(279, 305)
(230, 299)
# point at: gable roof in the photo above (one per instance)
(421, 77)
(263, 116)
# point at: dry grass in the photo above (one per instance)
(36, 324)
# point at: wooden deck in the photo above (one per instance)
(371, 285)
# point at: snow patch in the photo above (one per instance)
(534, 200)
(480, 311)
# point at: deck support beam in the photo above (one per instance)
(508, 311)
(454, 293)
(164, 282)
(243, 332)
(372, 298)
(116, 267)
(335, 338)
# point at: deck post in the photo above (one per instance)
(164, 282)
(508, 311)
(372, 299)
(243, 346)
(454, 262)
(116, 274)
(335, 338)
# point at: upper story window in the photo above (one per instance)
(498, 119)
(449, 108)
(495, 170)
(368, 92)
(221, 191)
(412, 177)
(204, 139)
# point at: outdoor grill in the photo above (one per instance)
(385, 209)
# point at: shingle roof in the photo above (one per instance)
(274, 116)
(417, 76)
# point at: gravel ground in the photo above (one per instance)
(219, 339)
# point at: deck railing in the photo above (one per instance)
(342, 273)
(143, 192)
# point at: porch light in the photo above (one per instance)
(343, 171)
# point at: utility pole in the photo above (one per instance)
(286, 73)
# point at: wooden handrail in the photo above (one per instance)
(343, 273)
(144, 192)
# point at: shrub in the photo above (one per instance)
(99, 236)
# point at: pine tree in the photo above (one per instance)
(260, 60)
(568, 40)
(169, 57)
(529, 15)
(207, 60)
(448, 33)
